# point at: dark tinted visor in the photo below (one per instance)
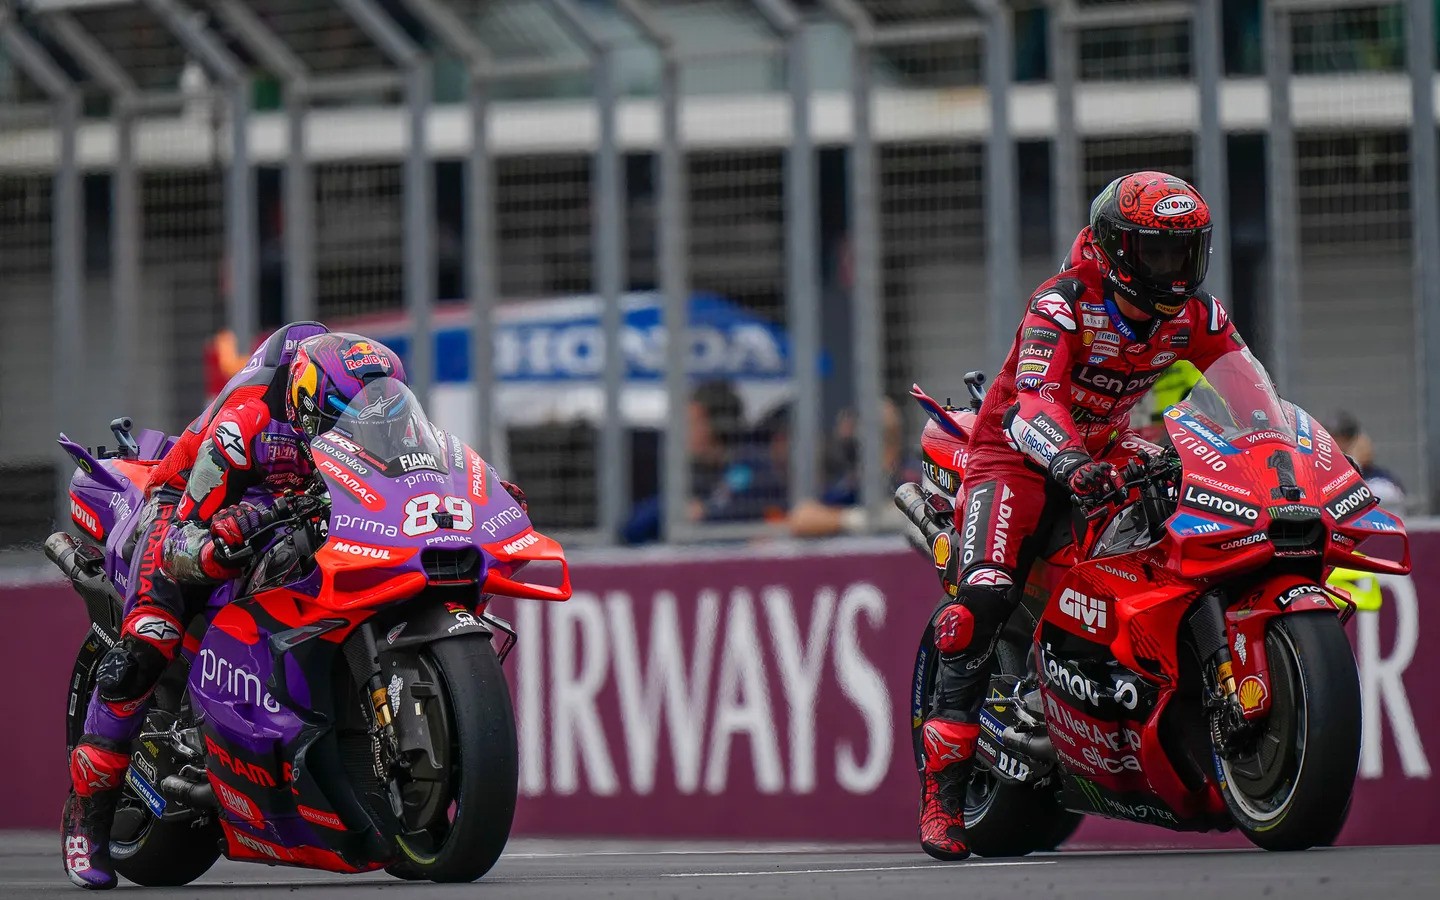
(1169, 261)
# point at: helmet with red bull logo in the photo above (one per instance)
(330, 370)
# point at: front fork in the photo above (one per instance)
(1230, 731)
(388, 760)
(391, 759)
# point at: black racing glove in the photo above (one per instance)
(1086, 478)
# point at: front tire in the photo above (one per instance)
(1293, 791)
(463, 838)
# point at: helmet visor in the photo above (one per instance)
(1169, 262)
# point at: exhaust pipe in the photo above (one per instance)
(64, 552)
(193, 794)
(85, 569)
(1035, 746)
(911, 502)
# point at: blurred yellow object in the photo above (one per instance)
(1363, 587)
(1175, 385)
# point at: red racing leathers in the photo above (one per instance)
(241, 443)
(1076, 370)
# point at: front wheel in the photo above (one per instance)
(460, 814)
(1292, 790)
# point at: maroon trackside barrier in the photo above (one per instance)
(748, 696)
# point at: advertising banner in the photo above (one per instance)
(749, 696)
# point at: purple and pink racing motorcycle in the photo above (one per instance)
(341, 705)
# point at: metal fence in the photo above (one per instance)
(830, 199)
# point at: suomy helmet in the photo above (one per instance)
(1154, 231)
(328, 371)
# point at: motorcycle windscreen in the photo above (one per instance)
(386, 421)
(1236, 399)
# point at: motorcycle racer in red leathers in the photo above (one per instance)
(1093, 340)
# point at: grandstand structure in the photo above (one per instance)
(877, 183)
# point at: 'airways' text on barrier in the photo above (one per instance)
(620, 694)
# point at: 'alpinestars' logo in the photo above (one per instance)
(947, 751)
(231, 444)
(157, 629)
(377, 409)
(94, 778)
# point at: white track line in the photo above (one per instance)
(741, 851)
(918, 868)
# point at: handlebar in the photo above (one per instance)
(1138, 473)
(287, 509)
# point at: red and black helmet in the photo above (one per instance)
(329, 370)
(1154, 230)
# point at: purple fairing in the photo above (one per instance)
(401, 490)
(389, 472)
(108, 489)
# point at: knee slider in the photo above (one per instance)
(129, 670)
(973, 622)
(954, 628)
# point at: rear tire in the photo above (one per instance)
(483, 767)
(1017, 821)
(167, 854)
(1001, 819)
(1294, 791)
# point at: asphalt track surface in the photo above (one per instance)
(30, 867)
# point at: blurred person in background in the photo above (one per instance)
(754, 485)
(1091, 343)
(1356, 444)
(838, 511)
(714, 421)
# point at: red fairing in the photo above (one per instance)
(242, 845)
(1246, 622)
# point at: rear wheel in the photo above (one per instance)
(1001, 819)
(1292, 790)
(153, 852)
(459, 814)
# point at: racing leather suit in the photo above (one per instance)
(1076, 370)
(242, 447)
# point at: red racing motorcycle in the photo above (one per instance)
(1176, 658)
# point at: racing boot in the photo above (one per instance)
(97, 772)
(949, 758)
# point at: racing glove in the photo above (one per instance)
(1085, 477)
(514, 491)
(234, 526)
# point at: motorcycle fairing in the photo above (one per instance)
(271, 755)
(1134, 608)
(1246, 622)
(106, 496)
